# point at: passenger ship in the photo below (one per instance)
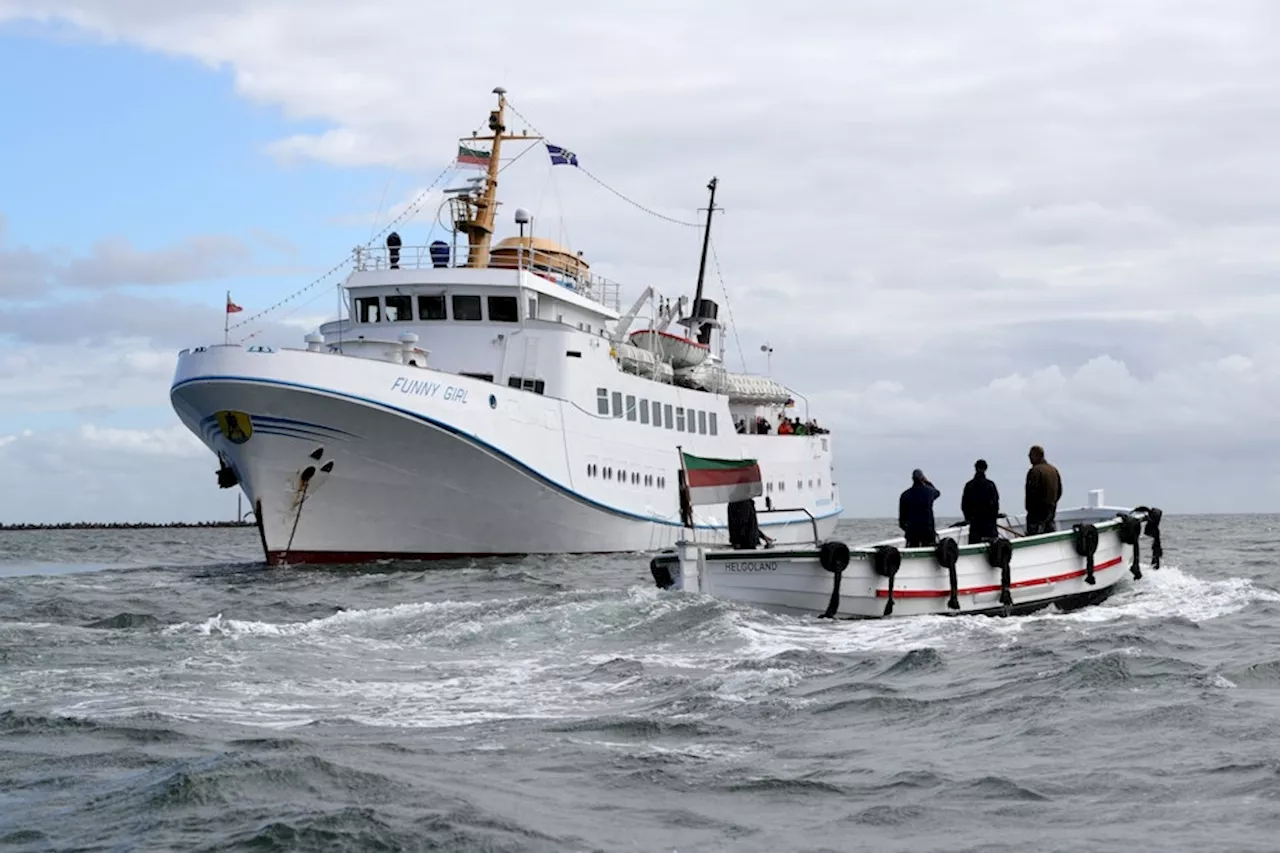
(493, 400)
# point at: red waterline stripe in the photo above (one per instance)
(978, 590)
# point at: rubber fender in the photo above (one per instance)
(1130, 528)
(834, 556)
(1086, 539)
(1153, 521)
(999, 552)
(947, 553)
(661, 573)
(887, 561)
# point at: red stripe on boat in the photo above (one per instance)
(979, 590)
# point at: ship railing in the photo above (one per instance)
(812, 521)
(555, 267)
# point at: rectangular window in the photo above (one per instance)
(631, 407)
(644, 411)
(399, 308)
(617, 404)
(504, 309)
(679, 418)
(657, 413)
(702, 422)
(483, 377)
(667, 408)
(367, 309)
(533, 308)
(466, 307)
(602, 401)
(572, 353)
(431, 308)
(712, 418)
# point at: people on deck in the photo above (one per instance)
(980, 505)
(393, 250)
(915, 511)
(1044, 490)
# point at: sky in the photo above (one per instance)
(963, 228)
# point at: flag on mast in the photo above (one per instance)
(232, 308)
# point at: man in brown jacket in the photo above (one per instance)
(1044, 490)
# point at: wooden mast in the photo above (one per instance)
(474, 215)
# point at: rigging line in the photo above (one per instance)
(502, 169)
(417, 203)
(716, 259)
(563, 236)
(381, 202)
(294, 310)
(620, 195)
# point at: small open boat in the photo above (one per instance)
(1094, 549)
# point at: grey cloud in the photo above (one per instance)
(117, 262)
(27, 274)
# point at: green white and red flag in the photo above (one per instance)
(720, 481)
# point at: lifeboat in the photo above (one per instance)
(679, 351)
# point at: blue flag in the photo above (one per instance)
(561, 156)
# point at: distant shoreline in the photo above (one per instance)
(124, 525)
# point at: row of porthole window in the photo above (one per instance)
(679, 418)
(782, 486)
(634, 477)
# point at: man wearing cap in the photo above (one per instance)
(980, 504)
(915, 511)
(1044, 490)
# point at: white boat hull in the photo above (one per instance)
(1044, 570)
(359, 470)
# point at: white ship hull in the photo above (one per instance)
(350, 460)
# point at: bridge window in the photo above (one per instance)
(399, 308)
(466, 307)
(431, 308)
(602, 401)
(504, 309)
(367, 309)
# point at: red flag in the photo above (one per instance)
(231, 306)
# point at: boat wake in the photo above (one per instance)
(562, 655)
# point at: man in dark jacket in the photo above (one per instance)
(915, 511)
(980, 504)
(1044, 490)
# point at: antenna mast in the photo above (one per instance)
(702, 265)
(474, 214)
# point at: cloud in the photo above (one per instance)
(29, 274)
(108, 474)
(963, 227)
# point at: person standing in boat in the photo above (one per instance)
(1044, 490)
(915, 511)
(980, 504)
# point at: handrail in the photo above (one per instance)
(813, 521)
(556, 267)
